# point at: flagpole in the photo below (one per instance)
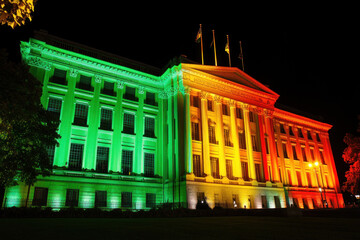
(202, 45)
(242, 56)
(228, 41)
(216, 63)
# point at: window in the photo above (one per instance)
(59, 77)
(252, 116)
(100, 199)
(108, 89)
(242, 141)
(229, 169)
(212, 135)
(127, 162)
(76, 156)
(227, 138)
(149, 165)
(264, 202)
(298, 174)
(304, 154)
(72, 198)
(282, 129)
(301, 135)
(129, 123)
(40, 197)
(290, 183)
(54, 107)
(195, 130)
(85, 83)
(102, 160)
(255, 143)
(210, 105)
(312, 154)
(322, 157)
(215, 168)
(195, 101)
(150, 99)
(308, 176)
(106, 119)
(197, 166)
(291, 132)
(267, 145)
(309, 136)
(130, 94)
(81, 114)
(239, 113)
(150, 200)
(225, 110)
(258, 173)
(126, 200)
(294, 153)
(285, 150)
(51, 154)
(150, 127)
(245, 171)
(318, 137)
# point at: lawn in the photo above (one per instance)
(266, 228)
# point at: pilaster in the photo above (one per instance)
(220, 135)
(235, 137)
(205, 134)
(249, 146)
(272, 146)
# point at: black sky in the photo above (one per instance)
(312, 67)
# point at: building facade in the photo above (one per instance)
(133, 137)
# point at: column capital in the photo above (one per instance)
(73, 72)
(204, 95)
(269, 113)
(245, 107)
(232, 103)
(218, 99)
(98, 78)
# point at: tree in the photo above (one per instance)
(26, 128)
(352, 157)
(15, 12)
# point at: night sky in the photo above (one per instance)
(312, 67)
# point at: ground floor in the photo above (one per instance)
(108, 192)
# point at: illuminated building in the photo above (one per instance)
(133, 138)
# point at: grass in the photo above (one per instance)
(266, 228)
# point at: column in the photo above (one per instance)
(329, 158)
(249, 146)
(263, 146)
(272, 146)
(138, 165)
(205, 134)
(235, 138)
(188, 137)
(220, 135)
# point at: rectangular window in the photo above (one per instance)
(225, 110)
(295, 153)
(72, 198)
(197, 166)
(285, 150)
(303, 150)
(215, 173)
(267, 145)
(149, 167)
(54, 107)
(322, 157)
(150, 127)
(245, 171)
(85, 83)
(100, 199)
(195, 101)
(108, 89)
(258, 173)
(102, 160)
(301, 135)
(291, 132)
(51, 154)
(81, 114)
(312, 154)
(239, 113)
(127, 162)
(106, 119)
(227, 138)
(242, 141)
(129, 123)
(255, 143)
(40, 197)
(310, 136)
(318, 137)
(150, 99)
(195, 131)
(264, 202)
(59, 77)
(229, 169)
(150, 200)
(76, 157)
(252, 116)
(282, 129)
(130, 94)
(126, 200)
(289, 178)
(298, 174)
(308, 176)
(210, 105)
(212, 135)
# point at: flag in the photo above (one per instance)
(227, 48)
(198, 36)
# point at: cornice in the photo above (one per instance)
(300, 120)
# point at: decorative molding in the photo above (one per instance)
(98, 79)
(73, 73)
